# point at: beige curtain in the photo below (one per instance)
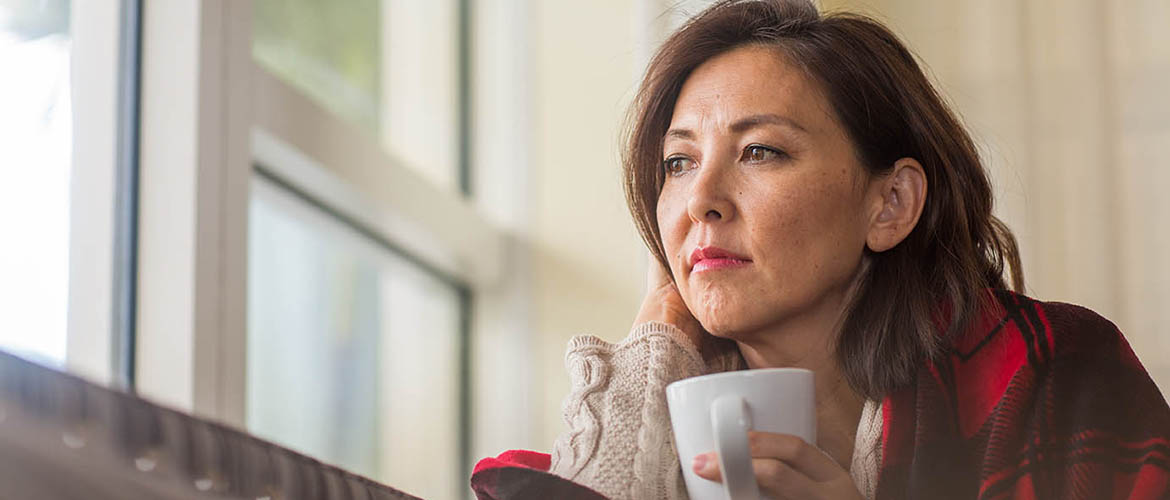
(1070, 102)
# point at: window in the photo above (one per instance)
(391, 67)
(35, 147)
(362, 249)
(300, 276)
(353, 351)
(65, 207)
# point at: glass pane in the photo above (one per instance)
(352, 351)
(35, 149)
(388, 66)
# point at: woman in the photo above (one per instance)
(812, 202)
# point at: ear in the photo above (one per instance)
(898, 200)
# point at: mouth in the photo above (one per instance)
(715, 258)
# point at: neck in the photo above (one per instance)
(808, 342)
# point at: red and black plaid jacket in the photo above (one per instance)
(1038, 400)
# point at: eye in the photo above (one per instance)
(676, 165)
(756, 153)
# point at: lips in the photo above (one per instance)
(711, 258)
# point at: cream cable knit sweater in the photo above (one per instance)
(619, 439)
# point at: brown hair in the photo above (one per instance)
(934, 278)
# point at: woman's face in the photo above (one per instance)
(757, 166)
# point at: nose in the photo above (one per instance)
(710, 199)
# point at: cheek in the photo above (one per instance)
(808, 228)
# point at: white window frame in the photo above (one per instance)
(194, 176)
(96, 67)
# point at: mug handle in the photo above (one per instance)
(730, 422)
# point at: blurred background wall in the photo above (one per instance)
(366, 229)
(1067, 102)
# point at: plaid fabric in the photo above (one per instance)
(1039, 400)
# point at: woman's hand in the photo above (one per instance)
(664, 305)
(788, 467)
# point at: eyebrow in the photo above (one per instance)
(745, 123)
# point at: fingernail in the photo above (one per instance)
(700, 462)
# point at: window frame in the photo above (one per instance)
(193, 193)
(103, 192)
(341, 170)
(211, 119)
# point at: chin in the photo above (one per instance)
(737, 320)
(719, 313)
(722, 326)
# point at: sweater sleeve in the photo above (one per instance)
(619, 439)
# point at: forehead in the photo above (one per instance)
(749, 80)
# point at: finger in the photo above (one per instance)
(774, 477)
(796, 453)
(778, 480)
(706, 466)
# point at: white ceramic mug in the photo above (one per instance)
(715, 412)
